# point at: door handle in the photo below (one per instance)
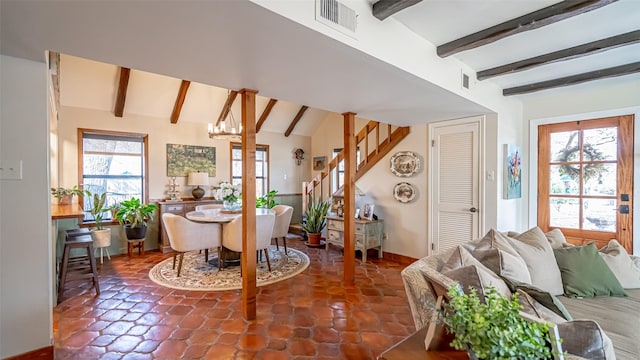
(473, 209)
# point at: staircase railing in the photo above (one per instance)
(373, 147)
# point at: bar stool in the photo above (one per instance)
(80, 266)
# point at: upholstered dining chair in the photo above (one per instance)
(281, 226)
(208, 207)
(232, 234)
(186, 235)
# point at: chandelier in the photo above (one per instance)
(226, 129)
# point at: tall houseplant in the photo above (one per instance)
(134, 215)
(315, 220)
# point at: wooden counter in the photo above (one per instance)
(71, 211)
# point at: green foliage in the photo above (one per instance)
(494, 329)
(267, 201)
(134, 212)
(98, 208)
(74, 191)
(316, 216)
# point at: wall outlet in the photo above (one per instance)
(11, 170)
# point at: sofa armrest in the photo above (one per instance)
(421, 298)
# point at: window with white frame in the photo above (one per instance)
(262, 167)
(114, 163)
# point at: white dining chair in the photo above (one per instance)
(232, 234)
(281, 226)
(208, 207)
(186, 235)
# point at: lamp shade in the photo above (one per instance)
(198, 178)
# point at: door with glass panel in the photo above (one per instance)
(585, 180)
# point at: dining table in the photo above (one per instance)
(222, 216)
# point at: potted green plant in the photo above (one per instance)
(65, 195)
(267, 201)
(494, 329)
(315, 220)
(101, 236)
(134, 215)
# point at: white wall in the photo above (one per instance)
(25, 220)
(161, 132)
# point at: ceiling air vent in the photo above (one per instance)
(337, 16)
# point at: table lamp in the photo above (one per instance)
(197, 179)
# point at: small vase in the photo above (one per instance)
(231, 205)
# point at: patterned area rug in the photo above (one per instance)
(199, 275)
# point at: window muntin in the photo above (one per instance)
(262, 167)
(112, 163)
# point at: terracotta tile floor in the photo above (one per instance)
(310, 316)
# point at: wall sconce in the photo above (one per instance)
(299, 153)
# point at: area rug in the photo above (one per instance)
(199, 275)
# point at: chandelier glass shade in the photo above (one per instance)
(226, 129)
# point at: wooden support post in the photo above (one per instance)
(349, 197)
(248, 260)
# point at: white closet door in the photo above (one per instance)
(455, 180)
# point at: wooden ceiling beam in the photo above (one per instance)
(593, 47)
(177, 107)
(534, 20)
(574, 79)
(382, 9)
(265, 113)
(123, 84)
(227, 106)
(295, 120)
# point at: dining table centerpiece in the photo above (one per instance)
(230, 195)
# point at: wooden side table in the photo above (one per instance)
(135, 244)
(412, 347)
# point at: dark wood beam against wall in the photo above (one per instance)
(574, 79)
(384, 8)
(593, 47)
(265, 113)
(295, 120)
(123, 84)
(177, 107)
(227, 106)
(537, 19)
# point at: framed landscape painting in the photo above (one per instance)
(512, 188)
(183, 159)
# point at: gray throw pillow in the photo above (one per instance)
(545, 299)
(621, 264)
(585, 338)
(585, 274)
(556, 238)
(537, 253)
(472, 273)
(534, 308)
(496, 252)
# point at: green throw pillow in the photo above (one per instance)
(585, 274)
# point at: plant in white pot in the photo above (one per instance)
(134, 215)
(101, 236)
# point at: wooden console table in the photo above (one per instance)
(412, 347)
(369, 234)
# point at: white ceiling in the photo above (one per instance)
(237, 44)
(441, 21)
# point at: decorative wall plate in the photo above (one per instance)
(404, 192)
(405, 163)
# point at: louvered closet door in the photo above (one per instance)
(455, 185)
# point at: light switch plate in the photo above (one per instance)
(11, 170)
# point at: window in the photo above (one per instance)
(262, 167)
(114, 163)
(337, 174)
